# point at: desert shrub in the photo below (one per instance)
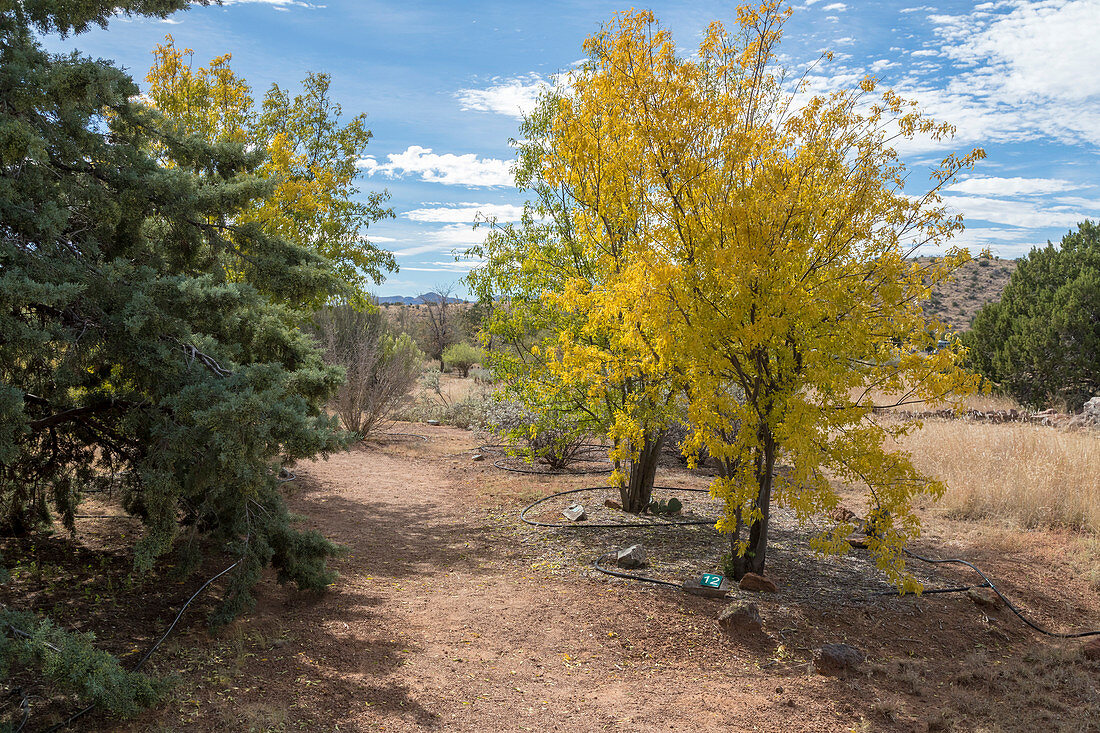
(482, 376)
(552, 437)
(461, 357)
(381, 366)
(469, 412)
(677, 437)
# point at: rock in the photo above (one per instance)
(612, 504)
(694, 587)
(984, 597)
(1091, 650)
(1092, 407)
(838, 659)
(433, 422)
(631, 557)
(859, 543)
(842, 514)
(740, 617)
(574, 513)
(754, 582)
(478, 457)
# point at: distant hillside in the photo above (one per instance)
(976, 283)
(410, 300)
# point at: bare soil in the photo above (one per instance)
(452, 615)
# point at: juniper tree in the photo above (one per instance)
(125, 350)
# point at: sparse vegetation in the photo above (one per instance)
(380, 367)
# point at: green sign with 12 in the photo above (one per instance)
(711, 581)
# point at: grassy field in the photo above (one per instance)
(1028, 475)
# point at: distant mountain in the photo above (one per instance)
(976, 283)
(431, 297)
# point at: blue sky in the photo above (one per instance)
(444, 83)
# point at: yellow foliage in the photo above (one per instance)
(749, 245)
(309, 158)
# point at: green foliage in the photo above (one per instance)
(530, 269)
(1041, 340)
(310, 157)
(547, 436)
(147, 331)
(461, 357)
(72, 662)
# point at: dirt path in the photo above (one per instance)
(442, 619)
(437, 622)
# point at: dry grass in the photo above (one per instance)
(1029, 475)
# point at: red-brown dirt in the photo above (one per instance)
(451, 615)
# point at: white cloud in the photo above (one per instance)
(1011, 186)
(835, 8)
(881, 65)
(446, 239)
(448, 168)
(925, 52)
(1015, 212)
(466, 213)
(462, 266)
(919, 9)
(514, 97)
(1042, 49)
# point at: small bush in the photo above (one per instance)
(381, 367)
(482, 376)
(551, 437)
(461, 357)
(466, 413)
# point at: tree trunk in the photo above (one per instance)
(756, 552)
(638, 490)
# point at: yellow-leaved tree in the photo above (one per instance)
(767, 271)
(559, 347)
(309, 155)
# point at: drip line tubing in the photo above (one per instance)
(1009, 604)
(404, 435)
(598, 564)
(499, 463)
(579, 525)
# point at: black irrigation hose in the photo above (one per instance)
(935, 591)
(499, 463)
(536, 523)
(24, 705)
(285, 476)
(989, 583)
(407, 435)
(137, 667)
(628, 576)
(503, 448)
(598, 563)
(176, 620)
